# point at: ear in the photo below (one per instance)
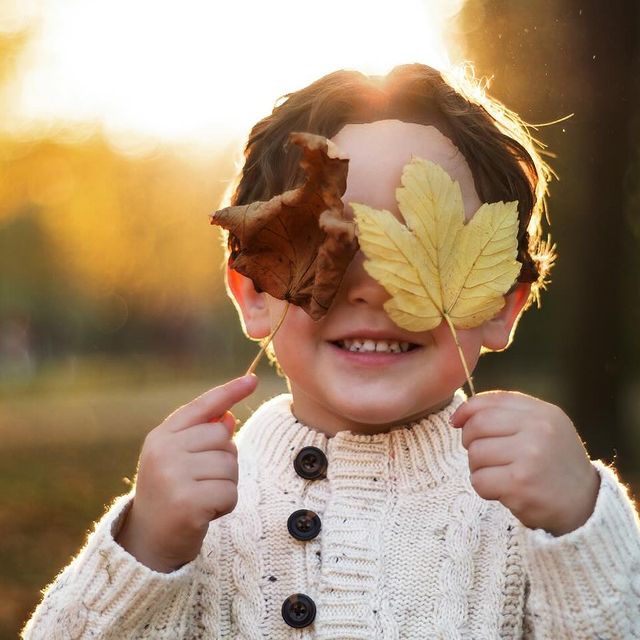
(497, 332)
(251, 305)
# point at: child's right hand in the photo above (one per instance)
(187, 477)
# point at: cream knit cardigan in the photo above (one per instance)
(407, 549)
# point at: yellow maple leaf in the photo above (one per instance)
(437, 267)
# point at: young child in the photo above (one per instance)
(375, 501)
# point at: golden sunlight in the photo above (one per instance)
(198, 71)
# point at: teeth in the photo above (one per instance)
(367, 345)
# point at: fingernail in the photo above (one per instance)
(246, 377)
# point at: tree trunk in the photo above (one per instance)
(551, 58)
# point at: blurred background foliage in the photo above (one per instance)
(113, 310)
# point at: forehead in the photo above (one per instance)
(379, 150)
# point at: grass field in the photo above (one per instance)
(65, 455)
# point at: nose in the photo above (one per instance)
(358, 287)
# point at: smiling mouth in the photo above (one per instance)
(367, 345)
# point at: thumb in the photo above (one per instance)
(228, 420)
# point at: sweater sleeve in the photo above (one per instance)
(105, 592)
(586, 584)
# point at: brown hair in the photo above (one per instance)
(503, 157)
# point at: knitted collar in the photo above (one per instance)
(416, 457)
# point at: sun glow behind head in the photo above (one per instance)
(202, 72)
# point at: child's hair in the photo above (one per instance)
(503, 157)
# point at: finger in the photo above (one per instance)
(489, 399)
(491, 483)
(213, 465)
(212, 404)
(491, 452)
(210, 436)
(228, 420)
(490, 423)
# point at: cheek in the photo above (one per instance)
(470, 341)
(295, 335)
(276, 310)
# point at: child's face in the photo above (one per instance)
(368, 392)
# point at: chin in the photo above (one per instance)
(377, 412)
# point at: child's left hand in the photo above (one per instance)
(527, 454)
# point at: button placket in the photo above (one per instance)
(299, 610)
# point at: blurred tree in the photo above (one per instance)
(599, 354)
(560, 57)
(126, 241)
(102, 250)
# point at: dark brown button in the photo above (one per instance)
(310, 463)
(298, 610)
(304, 524)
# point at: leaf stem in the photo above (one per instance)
(462, 358)
(267, 341)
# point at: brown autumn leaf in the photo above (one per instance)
(297, 245)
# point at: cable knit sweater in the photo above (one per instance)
(406, 549)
